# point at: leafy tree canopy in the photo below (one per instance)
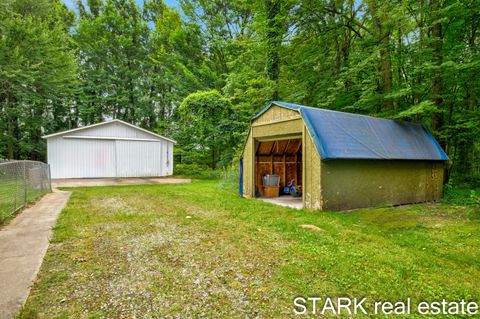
(216, 63)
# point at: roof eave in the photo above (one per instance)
(79, 129)
(108, 122)
(277, 103)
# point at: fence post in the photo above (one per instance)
(16, 193)
(49, 177)
(24, 184)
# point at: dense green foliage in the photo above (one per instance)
(207, 127)
(409, 60)
(38, 72)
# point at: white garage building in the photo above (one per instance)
(109, 149)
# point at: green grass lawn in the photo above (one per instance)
(12, 194)
(199, 250)
(11, 198)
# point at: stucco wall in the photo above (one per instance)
(348, 184)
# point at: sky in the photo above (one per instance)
(71, 3)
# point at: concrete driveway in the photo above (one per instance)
(86, 182)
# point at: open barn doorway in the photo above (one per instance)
(278, 164)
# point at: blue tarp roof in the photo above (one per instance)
(340, 135)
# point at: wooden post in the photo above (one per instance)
(285, 164)
(271, 157)
(296, 161)
(304, 152)
(271, 170)
(296, 170)
(257, 169)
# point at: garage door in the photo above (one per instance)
(84, 158)
(139, 158)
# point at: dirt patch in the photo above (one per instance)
(311, 227)
(114, 203)
(90, 182)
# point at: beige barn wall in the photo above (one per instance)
(312, 192)
(348, 184)
(276, 114)
(248, 190)
(275, 123)
(279, 130)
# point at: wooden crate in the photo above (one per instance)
(271, 191)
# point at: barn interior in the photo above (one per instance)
(283, 158)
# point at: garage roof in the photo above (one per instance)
(340, 135)
(107, 123)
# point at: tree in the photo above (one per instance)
(411, 60)
(177, 64)
(207, 127)
(112, 48)
(382, 27)
(436, 44)
(273, 42)
(37, 73)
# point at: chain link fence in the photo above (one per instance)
(21, 182)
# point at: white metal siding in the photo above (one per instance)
(72, 158)
(77, 157)
(139, 158)
(113, 130)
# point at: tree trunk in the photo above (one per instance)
(383, 39)
(10, 123)
(347, 37)
(273, 43)
(10, 137)
(466, 146)
(436, 43)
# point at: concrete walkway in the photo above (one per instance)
(82, 182)
(23, 244)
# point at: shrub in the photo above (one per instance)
(472, 180)
(229, 177)
(195, 171)
(461, 196)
